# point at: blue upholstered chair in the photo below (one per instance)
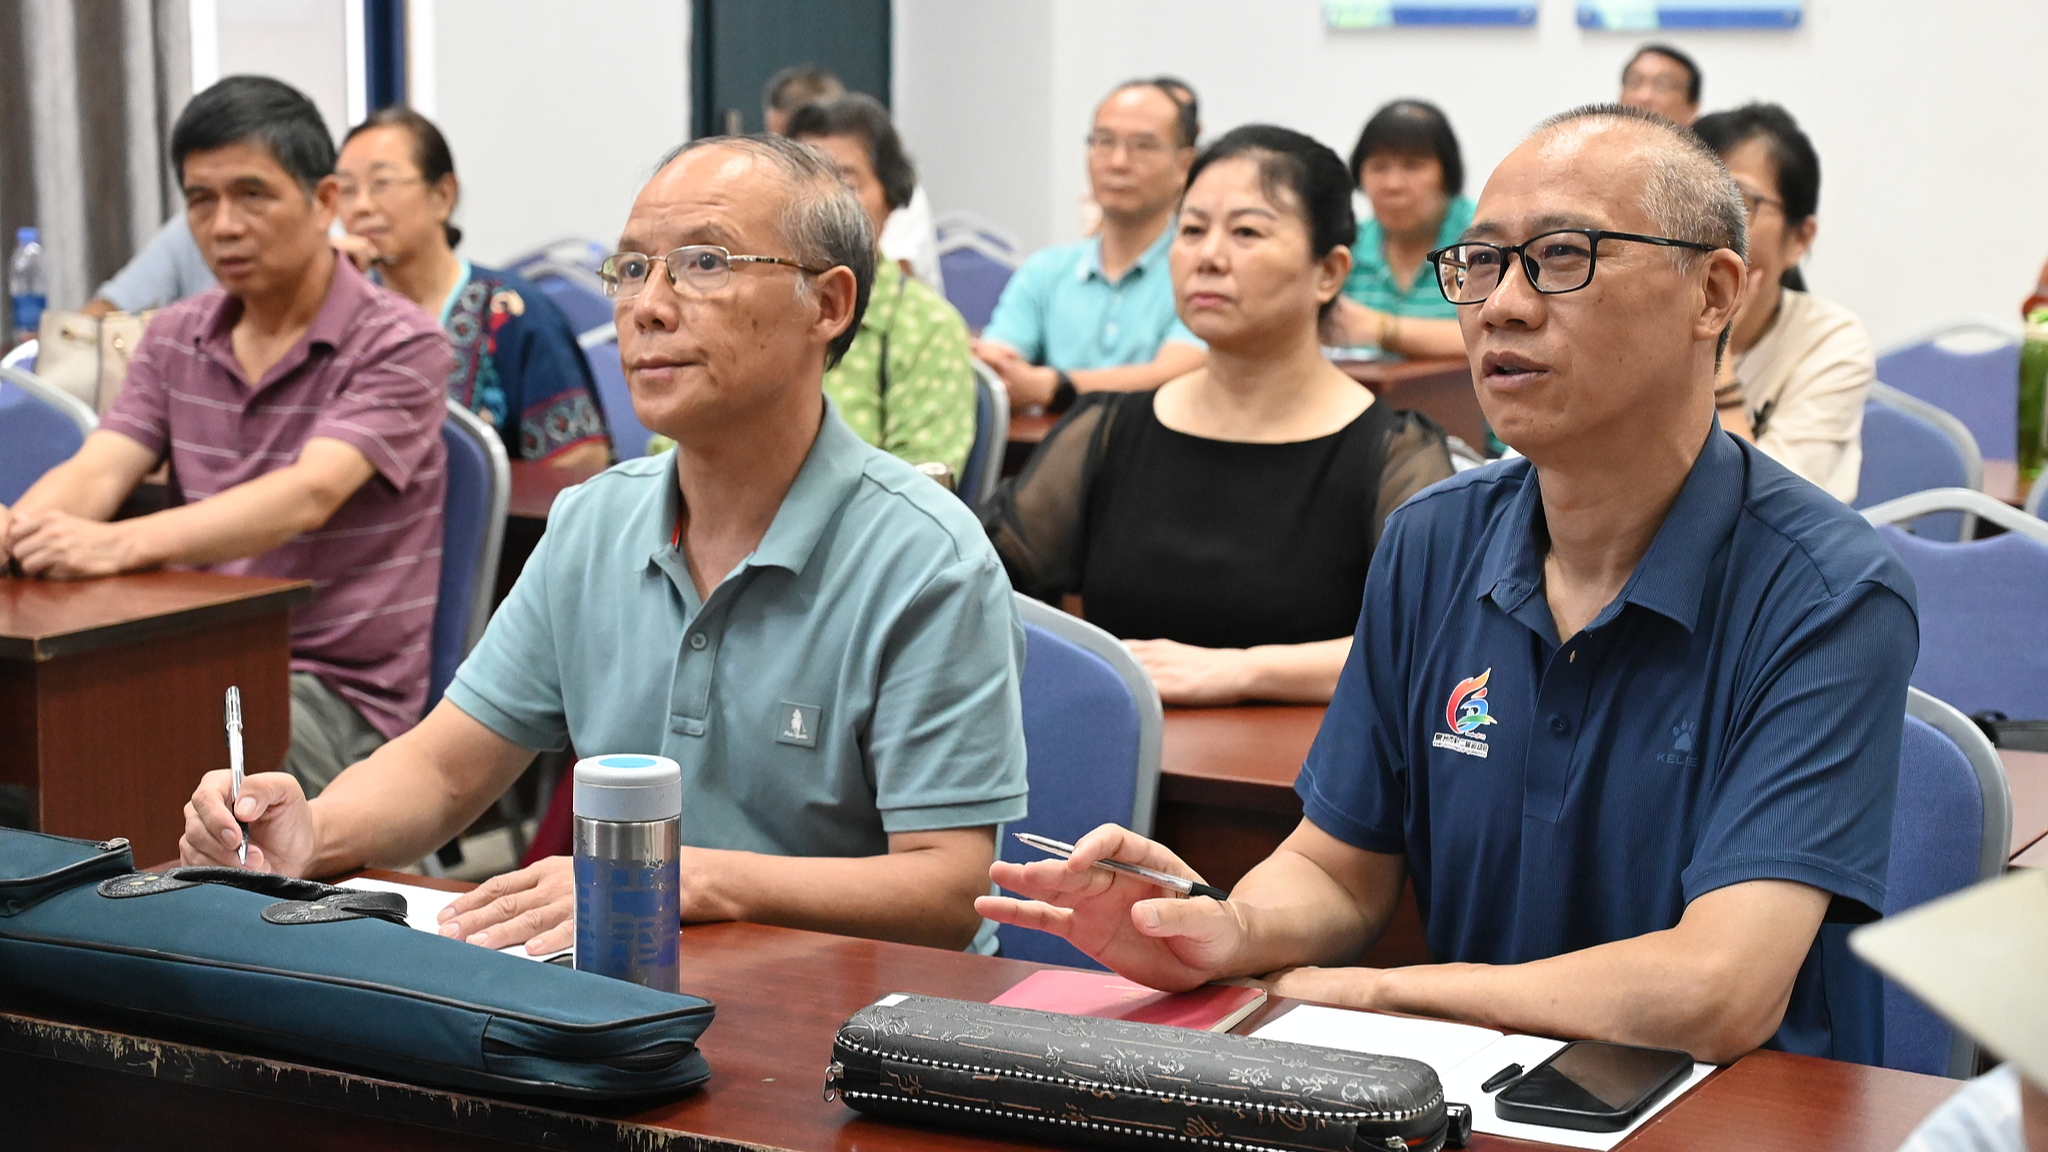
(601, 348)
(575, 290)
(1911, 446)
(1952, 829)
(40, 427)
(991, 437)
(1092, 725)
(1983, 620)
(1969, 369)
(976, 271)
(472, 536)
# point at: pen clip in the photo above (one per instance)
(234, 709)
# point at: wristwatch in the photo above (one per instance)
(1063, 393)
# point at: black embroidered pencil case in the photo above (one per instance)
(1115, 1084)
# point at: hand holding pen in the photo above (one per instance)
(1178, 884)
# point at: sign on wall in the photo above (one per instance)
(1438, 13)
(1650, 15)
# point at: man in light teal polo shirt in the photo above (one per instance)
(1099, 315)
(819, 635)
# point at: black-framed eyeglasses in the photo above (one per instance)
(704, 267)
(1555, 262)
(1754, 202)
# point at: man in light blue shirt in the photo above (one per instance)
(1099, 315)
(820, 636)
(168, 269)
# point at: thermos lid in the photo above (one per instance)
(629, 789)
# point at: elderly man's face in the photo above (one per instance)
(1626, 354)
(1662, 85)
(697, 357)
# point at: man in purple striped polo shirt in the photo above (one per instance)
(300, 410)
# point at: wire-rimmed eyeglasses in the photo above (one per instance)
(1555, 262)
(704, 267)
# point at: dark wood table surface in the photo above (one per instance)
(2027, 774)
(781, 994)
(111, 694)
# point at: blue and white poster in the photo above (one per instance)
(1654, 15)
(1427, 13)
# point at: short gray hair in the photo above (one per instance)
(1687, 191)
(822, 222)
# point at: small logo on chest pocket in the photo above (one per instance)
(797, 724)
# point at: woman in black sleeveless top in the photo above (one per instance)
(1223, 524)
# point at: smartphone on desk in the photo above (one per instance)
(1592, 1086)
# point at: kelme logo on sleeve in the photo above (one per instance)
(797, 724)
(1466, 714)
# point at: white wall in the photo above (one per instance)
(301, 42)
(1923, 114)
(556, 113)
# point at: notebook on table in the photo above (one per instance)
(1210, 1008)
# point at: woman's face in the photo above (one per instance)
(1773, 245)
(1243, 275)
(384, 199)
(850, 154)
(1407, 191)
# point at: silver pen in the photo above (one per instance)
(235, 765)
(1174, 883)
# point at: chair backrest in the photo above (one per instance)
(1911, 446)
(1951, 829)
(1092, 729)
(601, 349)
(22, 356)
(40, 428)
(1983, 620)
(575, 252)
(991, 437)
(472, 536)
(975, 272)
(1971, 369)
(576, 291)
(964, 223)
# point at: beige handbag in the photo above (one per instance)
(88, 357)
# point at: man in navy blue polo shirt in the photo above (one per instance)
(1628, 710)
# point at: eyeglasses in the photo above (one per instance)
(1555, 262)
(1753, 203)
(1141, 147)
(704, 267)
(377, 188)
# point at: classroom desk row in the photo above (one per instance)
(781, 994)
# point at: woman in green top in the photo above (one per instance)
(1407, 164)
(907, 383)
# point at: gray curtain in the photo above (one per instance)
(88, 92)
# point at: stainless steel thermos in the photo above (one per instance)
(628, 887)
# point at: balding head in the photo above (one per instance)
(1685, 190)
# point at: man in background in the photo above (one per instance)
(1663, 80)
(300, 409)
(1098, 315)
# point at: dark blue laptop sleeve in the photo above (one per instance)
(333, 974)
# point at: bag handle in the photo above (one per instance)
(300, 901)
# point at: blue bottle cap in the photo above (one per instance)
(26, 236)
(629, 789)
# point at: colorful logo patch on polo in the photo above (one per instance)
(1466, 713)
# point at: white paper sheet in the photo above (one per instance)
(423, 909)
(1464, 1056)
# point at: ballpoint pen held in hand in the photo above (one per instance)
(1174, 883)
(234, 722)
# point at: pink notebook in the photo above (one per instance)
(1210, 1008)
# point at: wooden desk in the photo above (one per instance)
(780, 994)
(111, 694)
(535, 484)
(2027, 773)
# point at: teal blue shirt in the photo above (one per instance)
(1372, 284)
(1060, 309)
(855, 676)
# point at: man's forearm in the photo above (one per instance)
(920, 896)
(1302, 673)
(1294, 912)
(1173, 360)
(77, 488)
(245, 520)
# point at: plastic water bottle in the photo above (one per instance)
(628, 882)
(27, 283)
